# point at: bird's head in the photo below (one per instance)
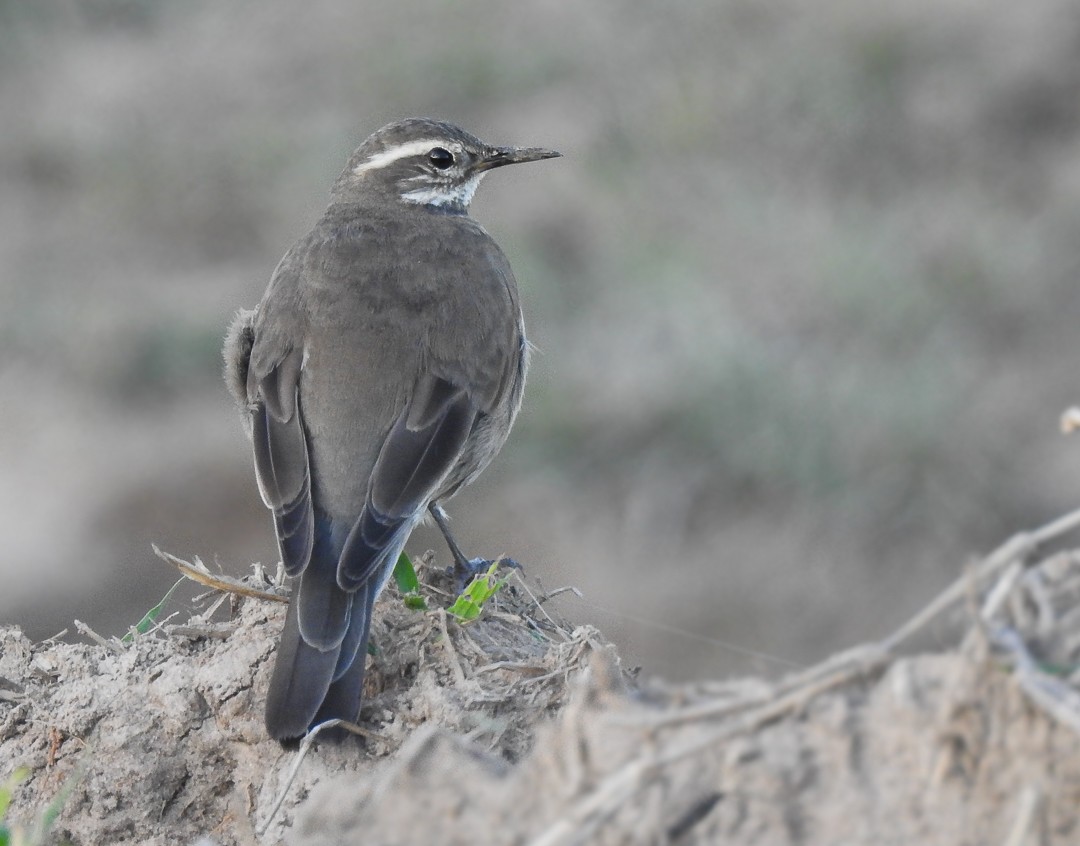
(426, 163)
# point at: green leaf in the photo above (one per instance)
(464, 609)
(415, 602)
(409, 584)
(17, 836)
(1056, 669)
(470, 603)
(405, 575)
(8, 788)
(144, 625)
(52, 810)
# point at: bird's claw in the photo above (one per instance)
(467, 569)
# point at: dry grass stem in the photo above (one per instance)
(1018, 548)
(448, 644)
(109, 643)
(1051, 694)
(1027, 815)
(197, 572)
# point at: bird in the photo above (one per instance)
(379, 374)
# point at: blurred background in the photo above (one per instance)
(806, 292)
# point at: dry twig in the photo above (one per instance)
(1051, 694)
(1027, 815)
(301, 753)
(111, 645)
(197, 572)
(1017, 548)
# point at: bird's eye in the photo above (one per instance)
(440, 158)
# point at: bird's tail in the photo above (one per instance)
(302, 675)
(342, 700)
(319, 668)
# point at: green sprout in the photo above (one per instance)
(146, 623)
(37, 835)
(6, 790)
(470, 603)
(408, 584)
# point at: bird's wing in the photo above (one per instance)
(278, 437)
(423, 445)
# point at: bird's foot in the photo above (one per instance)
(464, 570)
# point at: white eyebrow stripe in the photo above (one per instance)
(402, 151)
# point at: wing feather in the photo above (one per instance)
(411, 463)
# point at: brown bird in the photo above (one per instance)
(380, 374)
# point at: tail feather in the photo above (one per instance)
(353, 648)
(316, 625)
(319, 670)
(322, 607)
(342, 700)
(309, 685)
(302, 676)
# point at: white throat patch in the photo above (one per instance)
(445, 195)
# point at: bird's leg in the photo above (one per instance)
(464, 568)
(442, 520)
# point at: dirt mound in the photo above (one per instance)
(518, 730)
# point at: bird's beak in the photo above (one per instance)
(499, 156)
